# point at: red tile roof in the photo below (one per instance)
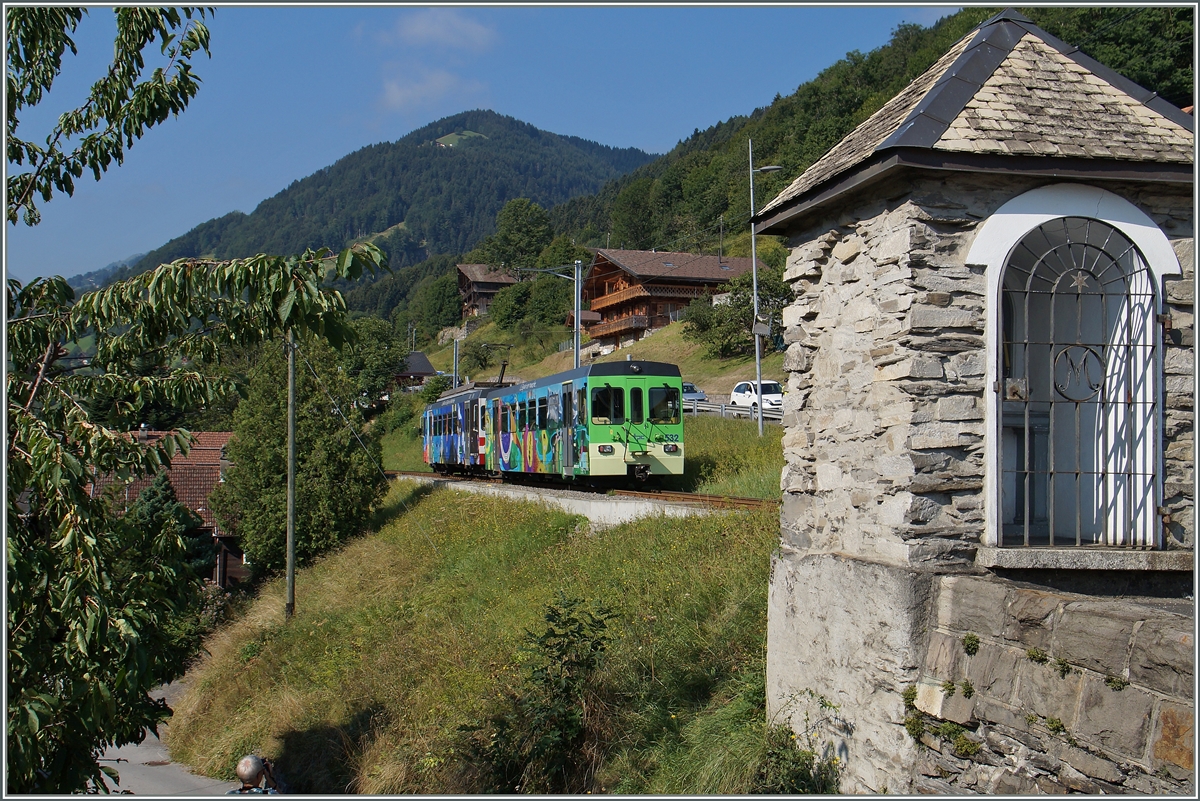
(193, 477)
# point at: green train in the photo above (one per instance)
(611, 422)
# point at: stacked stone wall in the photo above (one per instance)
(884, 473)
(1027, 691)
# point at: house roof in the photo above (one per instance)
(676, 266)
(193, 477)
(417, 364)
(1008, 89)
(485, 273)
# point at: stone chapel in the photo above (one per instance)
(987, 535)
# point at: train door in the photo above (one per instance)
(493, 447)
(567, 437)
(637, 427)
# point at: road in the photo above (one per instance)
(147, 769)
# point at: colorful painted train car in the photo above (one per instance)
(609, 421)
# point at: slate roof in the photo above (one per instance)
(485, 273)
(416, 364)
(1008, 88)
(676, 266)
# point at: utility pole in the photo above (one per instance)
(755, 327)
(289, 608)
(455, 384)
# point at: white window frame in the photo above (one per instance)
(993, 244)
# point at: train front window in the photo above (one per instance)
(664, 406)
(608, 406)
(636, 409)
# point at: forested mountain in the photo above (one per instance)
(423, 197)
(677, 201)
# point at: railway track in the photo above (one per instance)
(666, 496)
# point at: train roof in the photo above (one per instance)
(598, 369)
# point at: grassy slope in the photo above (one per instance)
(405, 635)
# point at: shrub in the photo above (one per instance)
(948, 688)
(968, 689)
(1055, 726)
(1116, 683)
(1063, 667)
(970, 642)
(1037, 655)
(788, 768)
(910, 696)
(532, 744)
(964, 746)
(914, 724)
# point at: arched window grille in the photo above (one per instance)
(1079, 394)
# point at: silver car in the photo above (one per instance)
(743, 395)
(691, 392)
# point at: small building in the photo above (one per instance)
(193, 477)
(987, 531)
(638, 291)
(478, 284)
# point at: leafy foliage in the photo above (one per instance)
(337, 477)
(375, 357)
(119, 108)
(522, 232)
(725, 328)
(90, 593)
(532, 744)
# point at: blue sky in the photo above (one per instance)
(289, 90)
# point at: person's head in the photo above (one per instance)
(250, 769)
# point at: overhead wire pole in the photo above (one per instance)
(578, 293)
(289, 608)
(754, 325)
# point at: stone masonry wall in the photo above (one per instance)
(884, 428)
(1061, 693)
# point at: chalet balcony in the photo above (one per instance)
(634, 322)
(642, 291)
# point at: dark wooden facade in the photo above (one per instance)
(477, 285)
(639, 290)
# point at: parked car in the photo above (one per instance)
(743, 395)
(691, 392)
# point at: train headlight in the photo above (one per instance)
(670, 447)
(605, 449)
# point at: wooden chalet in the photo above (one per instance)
(478, 284)
(636, 291)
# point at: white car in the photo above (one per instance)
(743, 395)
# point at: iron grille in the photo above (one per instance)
(1079, 428)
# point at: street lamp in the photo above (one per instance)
(755, 327)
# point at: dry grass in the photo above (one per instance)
(404, 636)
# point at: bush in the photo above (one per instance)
(532, 743)
(789, 769)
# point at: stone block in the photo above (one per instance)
(944, 657)
(1082, 761)
(934, 317)
(1096, 635)
(1077, 781)
(1163, 656)
(944, 435)
(1029, 618)
(1179, 361)
(1042, 691)
(1117, 721)
(968, 604)
(799, 359)
(847, 249)
(959, 407)
(1174, 735)
(993, 671)
(1180, 290)
(1009, 783)
(894, 246)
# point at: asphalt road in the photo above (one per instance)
(147, 769)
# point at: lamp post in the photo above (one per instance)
(754, 268)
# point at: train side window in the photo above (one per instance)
(664, 405)
(581, 406)
(504, 413)
(543, 404)
(636, 408)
